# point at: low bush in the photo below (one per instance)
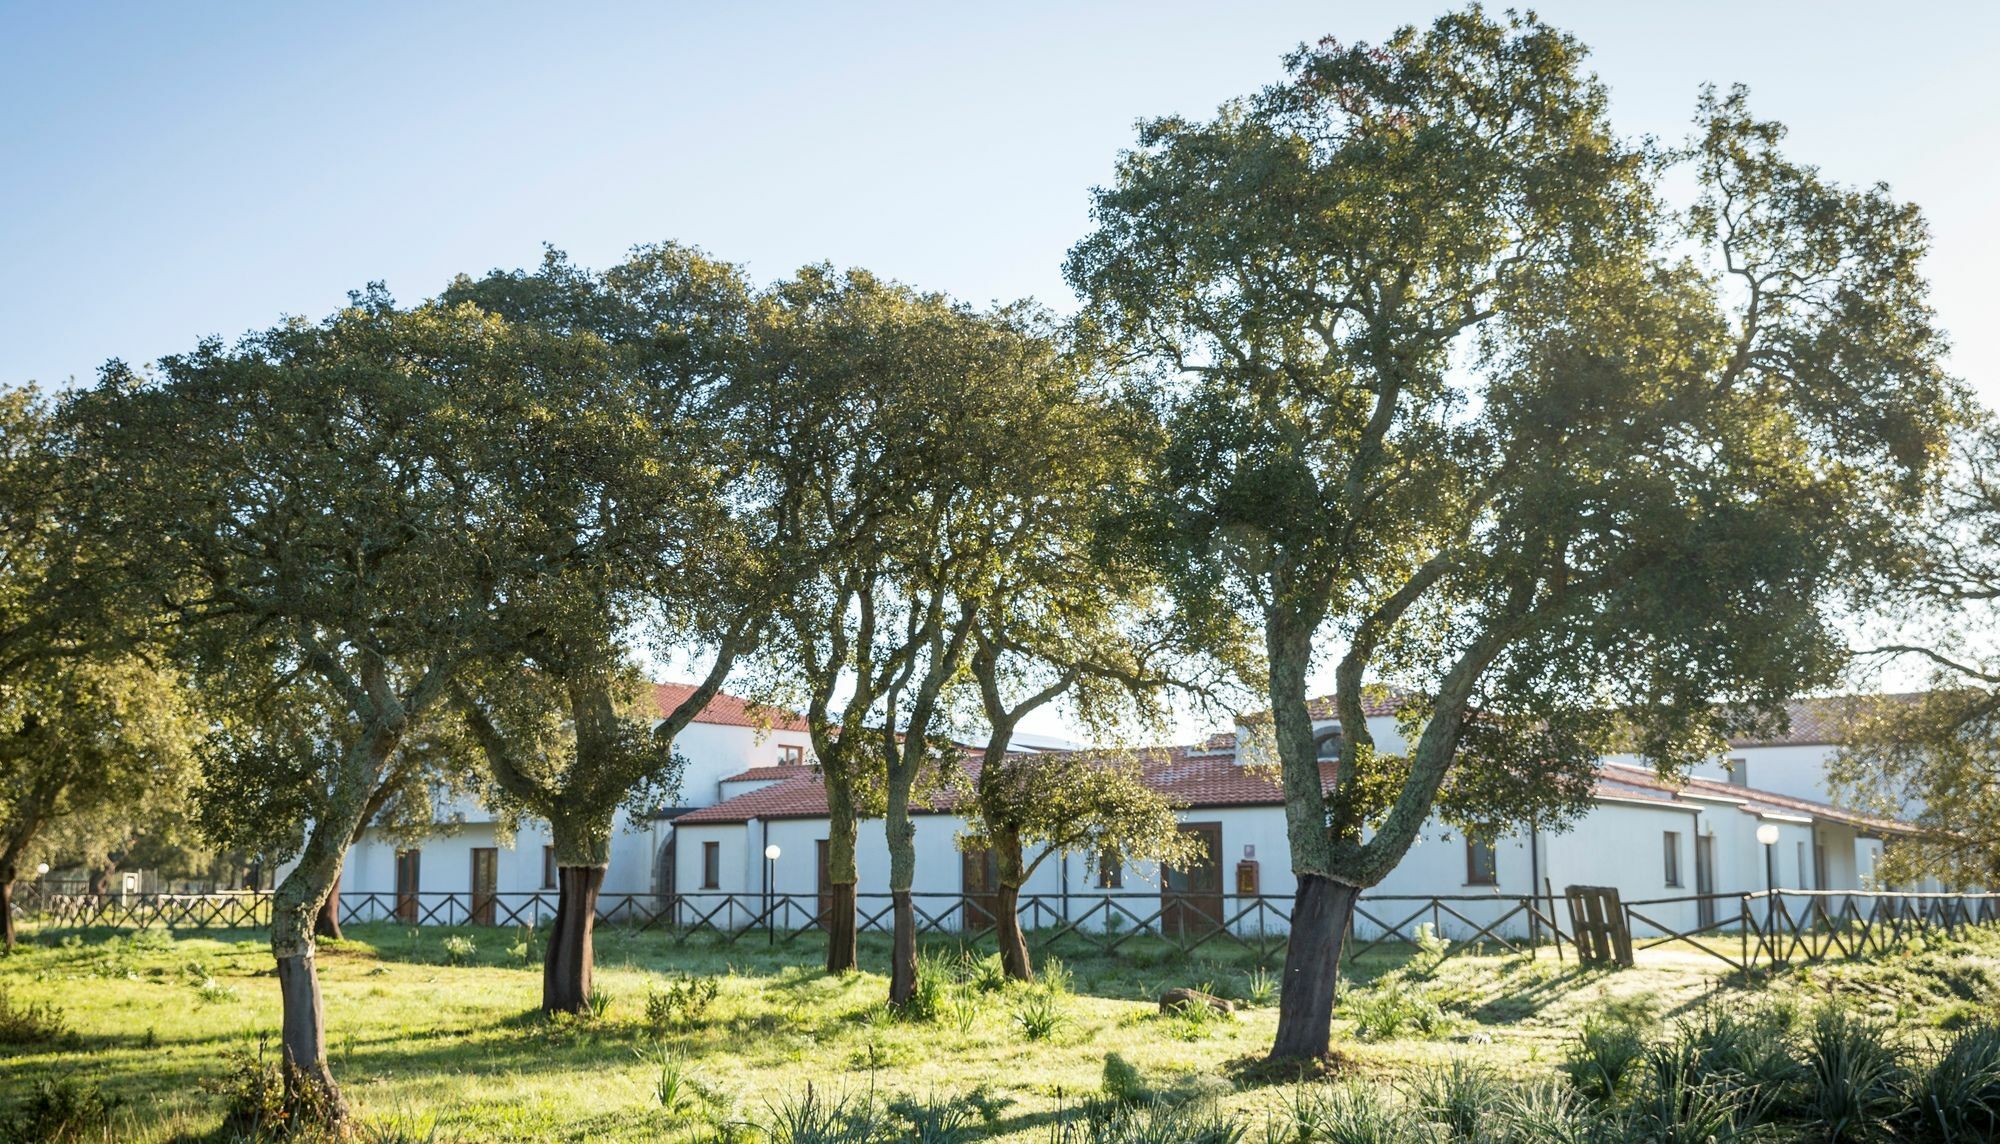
(1157, 1123)
(1958, 1097)
(59, 1108)
(1856, 1075)
(681, 1002)
(1392, 1009)
(32, 1022)
(1599, 1060)
(1460, 1095)
(459, 949)
(1040, 1015)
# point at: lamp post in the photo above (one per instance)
(771, 853)
(1768, 835)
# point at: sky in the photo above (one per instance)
(169, 172)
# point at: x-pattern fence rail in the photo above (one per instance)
(1741, 930)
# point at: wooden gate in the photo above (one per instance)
(1597, 923)
(1191, 897)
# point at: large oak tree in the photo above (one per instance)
(1458, 401)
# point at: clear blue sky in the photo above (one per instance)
(174, 170)
(169, 171)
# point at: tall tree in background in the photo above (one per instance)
(625, 517)
(303, 507)
(1934, 758)
(1447, 383)
(93, 744)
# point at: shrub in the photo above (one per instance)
(59, 1109)
(1461, 1095)
(459, 949)
(814, 1118)
(682, 1001)
(1549, 1113)
(32, 1022)
(934, 1121)
(1261, 988)
(1958, 1097)
(1040, 1015)
(1389, 1010)
(1855, 1074)
(252, 1092)
(1201, 1123)
(1353, 1112)
(1056, 977)
(673, 1087)
(1606, 1048)
(213, 992)
(985, 974)
(930, 990)
(600, 1003)
(1432, 946)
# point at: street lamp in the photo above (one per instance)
(42, 869)
(771, 853)
(1768, 835)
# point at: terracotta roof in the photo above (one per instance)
(773, 773)
(1375, 701)
(800, 796)
(1626, 780)
(1819, 722)
(726, 710)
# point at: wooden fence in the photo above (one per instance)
(1742, 930)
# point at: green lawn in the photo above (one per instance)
(456, 1052)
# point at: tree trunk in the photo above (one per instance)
(840, 928)
(903, 953)
(310, 1091)
(840, 875)
(1007, 908)
(566, 970)
(1007, 930)
(1320, 916)
(326, 923)
(7, 907)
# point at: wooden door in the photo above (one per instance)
(1704, 878)
(406, 885)
(1191, 896)
(823, 883)
(979, 872)
(485, 883)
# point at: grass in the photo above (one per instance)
(442, 1035)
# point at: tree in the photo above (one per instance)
(1446, 380)
(619, 467)
(301, 506)
(1933, 758)
(91, 739)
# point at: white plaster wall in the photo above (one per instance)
(1799, 771)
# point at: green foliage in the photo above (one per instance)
(1459, 1095)
(459, 949)
(31, 1022)
(1855, 1075)
(1262, 987)
(1605, 1050)
(600, 1003)
(1353, 1112)
(1156, 1123)
(683, 1001)
(1039, 1014)
(1122, 1082)
(59, 1108)
(1391, 1008)
(1958, 1097)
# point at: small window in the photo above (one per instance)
(1673, 857)
(711, 865)
(1739, 771)
(1327, 749)
(1482, 866)
(791, 755)
(548, 867)
(1110, 870)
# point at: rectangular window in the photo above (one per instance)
(1110, 870)
(1673, 858)
(711, 865)
(1739, 771)
(548, 867)
(1482, 865)
(791, 755)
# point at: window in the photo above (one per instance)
(1801, 867)
(548, 867)
(1739, 771)
(791, 755)
(1110, 870)
(1328, 746)
(1673, 857)
(1482, 867)
(711, 865)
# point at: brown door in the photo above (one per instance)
(485, 882)
(823, 882)
(406, 886)
(980, 872)
(1191, 896)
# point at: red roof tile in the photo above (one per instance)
(726, 710)
(776, 772)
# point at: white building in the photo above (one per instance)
(748, 789)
